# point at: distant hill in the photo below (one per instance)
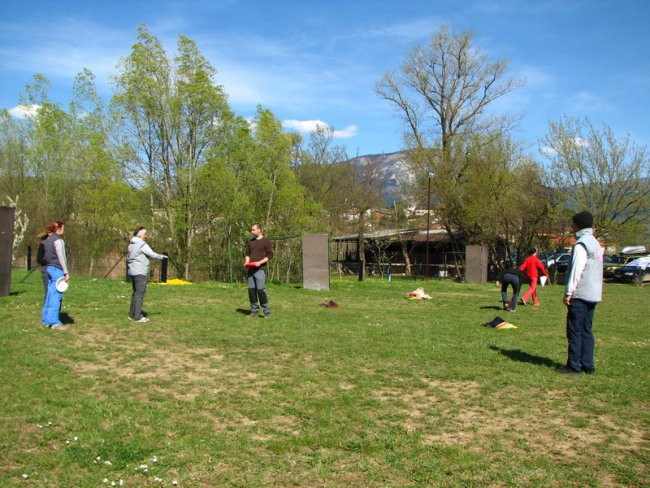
(394, 171)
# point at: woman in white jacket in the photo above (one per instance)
(137, 262)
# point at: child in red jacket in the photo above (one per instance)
(531, 268)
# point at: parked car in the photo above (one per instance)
(636, 271)
(561, 262)
(638, 250)
(612, 263)
(548, 259)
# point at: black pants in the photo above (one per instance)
(139, 283)
(512, 280)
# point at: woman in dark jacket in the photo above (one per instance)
(57, 267)
(40, 259)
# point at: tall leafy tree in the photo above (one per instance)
(323, 169)
(503, 195)
(226, 206)
(174, 113)
(278, 200)
(107, 206)
(48, 131)
(15, 171)
(499, 188)
(594, 169)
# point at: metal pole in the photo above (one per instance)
(163, 269)
(118, 262)
(426, 269)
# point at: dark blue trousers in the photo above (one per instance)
(580, 316)
(512, 280)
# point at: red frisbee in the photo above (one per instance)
(250, 265)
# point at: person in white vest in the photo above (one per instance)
(584, 288)
(137, 262)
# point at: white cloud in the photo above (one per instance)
(304, 126)
(309, 126)
(349, 131)
(580, 142)
(24, 111)
(241, 86)
(413, 30)
(589, 102)
(58, 54)
(535, 76)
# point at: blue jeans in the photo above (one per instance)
(580, 316)
(257, 290)
(45, 279)
(52, 305)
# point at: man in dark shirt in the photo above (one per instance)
(259, 252)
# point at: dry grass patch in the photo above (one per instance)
(450, 413)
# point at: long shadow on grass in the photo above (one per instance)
(524, 357)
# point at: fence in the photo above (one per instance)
(286, 265)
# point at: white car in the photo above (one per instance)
(562, 262)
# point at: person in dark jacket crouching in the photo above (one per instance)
(510, 277)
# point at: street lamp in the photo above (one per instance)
(429, 176)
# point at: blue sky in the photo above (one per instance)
(319, 60)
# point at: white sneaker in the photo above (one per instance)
(143, 320)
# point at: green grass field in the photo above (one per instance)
(381, 391)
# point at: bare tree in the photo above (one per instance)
(442, 93)
(365, 195)
(444, 88)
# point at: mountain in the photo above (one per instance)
(394, 171)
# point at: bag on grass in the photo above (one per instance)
(498, 323)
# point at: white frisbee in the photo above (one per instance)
(61, 285)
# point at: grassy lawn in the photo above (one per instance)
(381, 391)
